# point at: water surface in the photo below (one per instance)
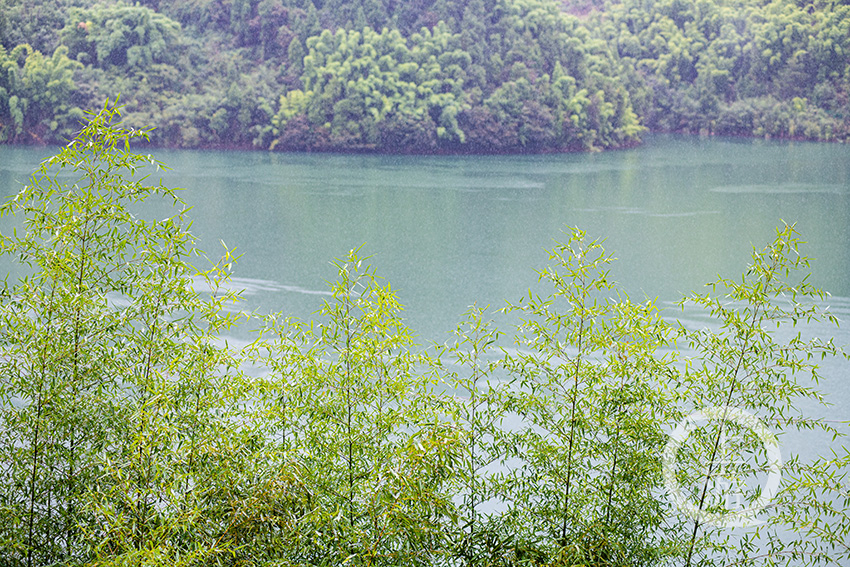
(450, 231)
(447, 231)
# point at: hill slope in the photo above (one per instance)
(426, 75)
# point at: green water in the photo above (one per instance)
(450, 231)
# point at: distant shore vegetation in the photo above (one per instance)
(426, 76)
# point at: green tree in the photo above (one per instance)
(588, 388)
(468, 366)
(35, 95)
(120, 35)
(354, 420)
(748, 364)
(107, 361)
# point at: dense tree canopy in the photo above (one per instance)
(131, 37)
(427, 75)
(779, 69)
(35, 93)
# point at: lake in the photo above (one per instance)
(447, 231)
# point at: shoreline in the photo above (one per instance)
(447, 152)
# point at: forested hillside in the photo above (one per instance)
(426, 75)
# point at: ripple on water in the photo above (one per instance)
(782, 188)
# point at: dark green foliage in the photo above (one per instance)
(772, 69)
(34, 22)
(35, 95)
(429, 69)
(367, 86)
(370, 87)
(131, 37)
(447, 76)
